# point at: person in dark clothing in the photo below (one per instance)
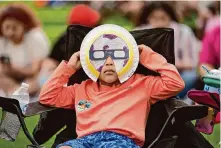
(43, 130)
(87, 17)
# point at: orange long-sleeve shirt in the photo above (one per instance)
(123, 108)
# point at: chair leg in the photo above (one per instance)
(162, 130)
(28, 135)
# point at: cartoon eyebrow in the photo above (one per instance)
(125, 48)
(105, 47)
(109, 36)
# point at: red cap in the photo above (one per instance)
(83, 15)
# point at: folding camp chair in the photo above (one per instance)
(167, 124)
(160, 40)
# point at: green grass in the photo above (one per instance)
(21, 140)
(214, 138)
(54, 23)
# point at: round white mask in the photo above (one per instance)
(109, 41)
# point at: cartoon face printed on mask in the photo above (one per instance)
(109, 45)
(109, 41)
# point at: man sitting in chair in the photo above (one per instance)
(112, 107)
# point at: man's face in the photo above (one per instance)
(108, 72)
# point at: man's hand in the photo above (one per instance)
(74, 61)
(202, 71)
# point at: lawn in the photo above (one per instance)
(54, 23)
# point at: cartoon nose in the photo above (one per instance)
(109, 62)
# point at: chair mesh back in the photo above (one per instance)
(161, 40)
(9, 127)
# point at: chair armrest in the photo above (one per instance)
(188, 113)
(183, 112)
(34, 108)
(10, 105)
(179, 112)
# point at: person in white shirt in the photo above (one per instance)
(23, 45)
(186, 45)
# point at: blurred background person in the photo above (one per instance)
(161, 14)
(213, 16)
(112, 14)
(208, 17)
(189, 12)
(131, 9)
(80, 14)
(210, 52)
(23, 45)
(210, 57)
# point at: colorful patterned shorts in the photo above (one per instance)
(104, 139)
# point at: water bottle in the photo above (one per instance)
(22, 95)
